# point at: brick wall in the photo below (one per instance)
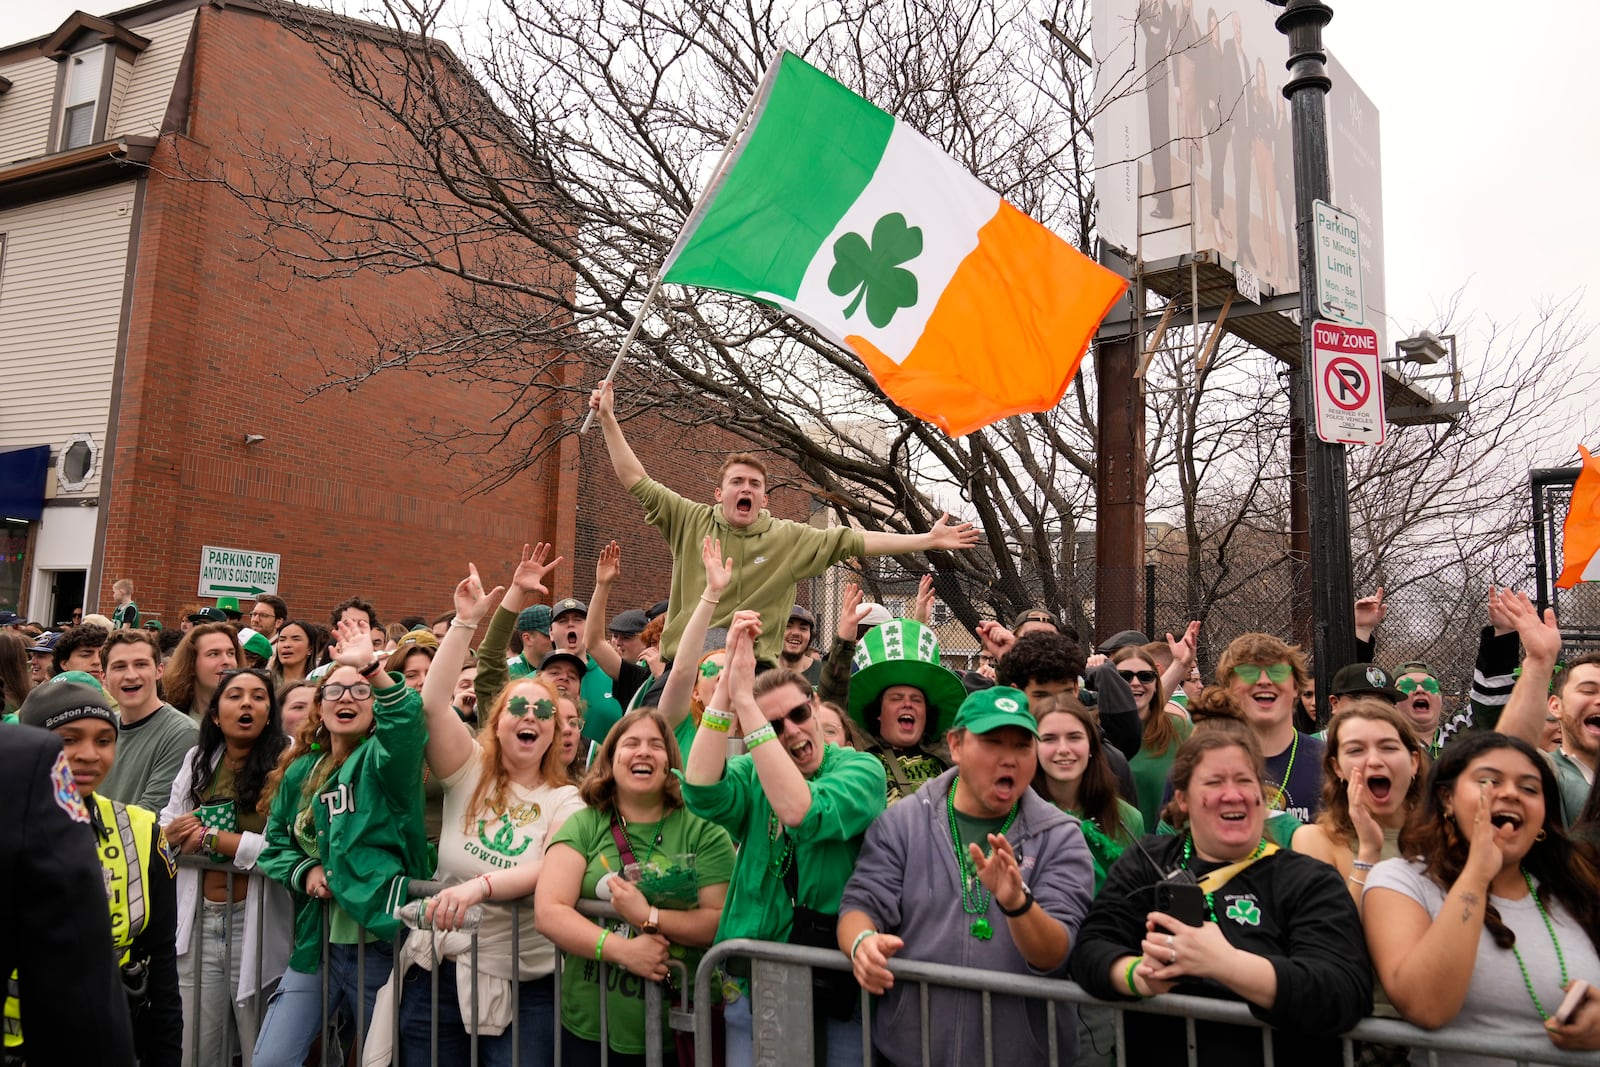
(219, 347)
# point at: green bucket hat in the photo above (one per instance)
(904, 652)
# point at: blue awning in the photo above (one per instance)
(22, 475)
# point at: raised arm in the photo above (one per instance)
(1370, 612)
(623, 461)
(944, 534)
(606, 570)
(836, 668)
(449, 739)
(708, 756)
(782, 782)
(676, 694)
(1541, 641)
(527, 582)
(1183, 651)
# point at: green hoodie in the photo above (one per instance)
(369, 825)
(769, 557)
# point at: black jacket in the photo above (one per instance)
(1306, 925)
(57, 932)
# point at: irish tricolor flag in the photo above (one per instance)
(964, 309)
(1580, 537)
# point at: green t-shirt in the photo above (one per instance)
(589, 833)
(685, 735)
(1151, 773)
(975, 830)
(847, 793)
(601, 710)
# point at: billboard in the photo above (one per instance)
(1192, 140)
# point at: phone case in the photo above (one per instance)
(1184, 901)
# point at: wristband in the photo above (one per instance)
(862, 936)
(1360, 866)
(600, 944)
(760, 736)
(457, 622)
(488, 887)
(708, 600)
(1357, 881)
(716, 720)
(370, 669)
(1128, 977)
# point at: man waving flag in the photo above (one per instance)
(964, 309)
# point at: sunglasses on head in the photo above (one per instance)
(799, 715)
(335, 691)
(1278, 673)
(1410, 685)
(254, 672)
(1144, 676)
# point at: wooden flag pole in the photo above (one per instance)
(694, 216)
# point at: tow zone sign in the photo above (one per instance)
(1349, 384)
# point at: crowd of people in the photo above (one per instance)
(710, 771)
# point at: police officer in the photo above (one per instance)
(57, 937)
(137, 872)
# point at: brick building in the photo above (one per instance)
(155, 383)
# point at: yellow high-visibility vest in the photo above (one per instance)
(121, 831)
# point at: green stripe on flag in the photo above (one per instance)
(812, 151)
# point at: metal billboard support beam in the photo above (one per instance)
(1327, 492)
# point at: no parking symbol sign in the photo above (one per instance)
(1349, 384)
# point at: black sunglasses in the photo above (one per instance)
(1144, 676)
(799, 715)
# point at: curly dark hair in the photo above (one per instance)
(1566, 871)
(84, 635)
(1040, 657)
(360, 605)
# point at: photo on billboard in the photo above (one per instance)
(1193, 140)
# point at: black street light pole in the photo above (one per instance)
(1333, 626)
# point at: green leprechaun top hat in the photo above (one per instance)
(904, 652)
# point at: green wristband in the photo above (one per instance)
(1128, 977)
(601, 944)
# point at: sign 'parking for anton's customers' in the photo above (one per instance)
(237, 572)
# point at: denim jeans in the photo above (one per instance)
(294, 1011)
(208, 981)
(843, 1040)
(535, 1010)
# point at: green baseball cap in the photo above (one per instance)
(990, 709)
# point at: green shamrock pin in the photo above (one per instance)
(873, 272)
(1244, 912)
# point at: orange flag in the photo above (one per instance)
(1580, 537)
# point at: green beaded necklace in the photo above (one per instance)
(1550, 929)
(974, 895)
(1188, 854)
(1281, 797)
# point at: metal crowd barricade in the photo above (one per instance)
(781, 1012)
(254, 902)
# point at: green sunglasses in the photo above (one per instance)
(710, 669)
(1410, 685)
(1251, 674)
(543, 708)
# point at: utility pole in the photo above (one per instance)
(1326, 488)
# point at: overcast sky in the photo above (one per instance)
(1489, 150)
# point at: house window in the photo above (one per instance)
(81, 98)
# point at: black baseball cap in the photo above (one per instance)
(559, 657)
(1364, 679)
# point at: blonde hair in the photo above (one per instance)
(493, 779)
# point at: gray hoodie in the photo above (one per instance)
(906, 880)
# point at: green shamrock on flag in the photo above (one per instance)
(1245, 913)
(872, 272)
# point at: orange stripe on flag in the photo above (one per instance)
(1580, 537)
(1007, 334)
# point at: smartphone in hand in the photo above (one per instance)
(1183, 900)
(1569, 1005)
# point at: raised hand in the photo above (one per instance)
(354, 643)
(922, 605)
(608, 568)
(998, 871)
(1484, 857)
(851, 612)
(996, 639)
(952, 536)
(1499, 618)
(529, 575)
(1541, 638)
(1369, 834)
(602, 399)
(1184, 648)
(472, 603)
(719, 571)
(1370, 612)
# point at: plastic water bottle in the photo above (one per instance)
(411, 916)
